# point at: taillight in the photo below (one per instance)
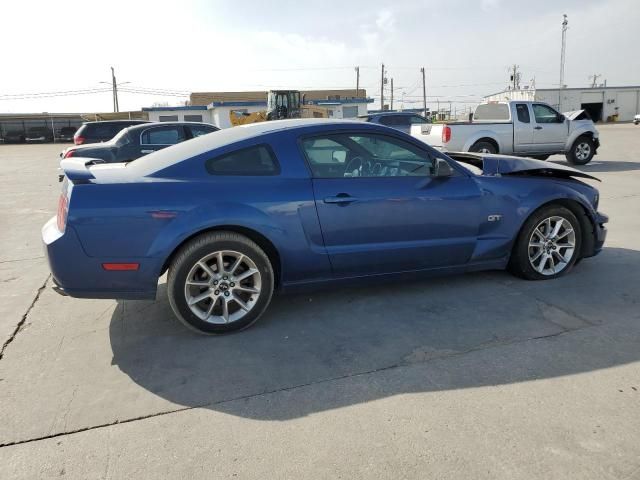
(63, 205)
(78, 140)
(69, 153)
(446, 133)
(62, 212)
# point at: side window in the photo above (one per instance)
(417, 120)
(198, 130)
(544, 114)
(162, 136)
(365, 155)
(252, 161)
(523, 112)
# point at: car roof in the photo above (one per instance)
(388, 114)
(143, 126)
(102, 122)
(182, 151)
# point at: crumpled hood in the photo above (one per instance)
(496, 164)
(577, 115)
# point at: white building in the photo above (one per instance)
(602, 103)
(217, 111)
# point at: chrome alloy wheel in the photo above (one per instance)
(552, 245)
(222, 287)
(583, 150)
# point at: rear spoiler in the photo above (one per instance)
(77, 169)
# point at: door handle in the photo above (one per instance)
(147, 151)
(340, 198)
(537, 128)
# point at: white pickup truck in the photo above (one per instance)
(528, 129)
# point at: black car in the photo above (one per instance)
(65, 134)
(96, 132)
(399, 120)
(138, 140)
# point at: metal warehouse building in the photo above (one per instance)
(608, 104)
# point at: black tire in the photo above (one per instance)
(197, 249)
(520, 264)
(575, 155)
(483, 147)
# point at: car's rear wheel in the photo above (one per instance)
(548, 244)
(220, 282)
(483, 147)
(582, 151)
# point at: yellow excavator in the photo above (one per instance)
(281, 104)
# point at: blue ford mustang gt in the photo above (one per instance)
(282, 205)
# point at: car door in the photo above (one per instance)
(156, 138)
(522, 128)
(381, 210)
(550, 132)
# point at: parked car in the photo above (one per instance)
(39, 135)
(530, 129)
(14, 136)
(138, 140)
(65, 134)
(96, 132)
(636, 119)
(293, 204)
(402, 121)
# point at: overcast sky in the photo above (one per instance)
(182, 46)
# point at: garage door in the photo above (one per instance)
(626, 103)
(349, 112)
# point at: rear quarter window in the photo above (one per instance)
(252, 161)
(492, 111)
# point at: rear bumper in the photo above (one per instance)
(77, 275)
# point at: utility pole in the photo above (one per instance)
(114, 89)
(116, 108)
(563, 48)
(515, 77)
(424, 93)
(391, 106)
(382, 89)
(595, 77)
(357, 81)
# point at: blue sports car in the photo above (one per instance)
(284, 205)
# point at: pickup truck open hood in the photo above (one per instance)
(496, 164)
(577, 115)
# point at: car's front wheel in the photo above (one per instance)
(548, 244)
(582, 151)
(220, 282)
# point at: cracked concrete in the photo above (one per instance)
(481, 376)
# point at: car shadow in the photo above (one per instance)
(459, 332)
(603, 166)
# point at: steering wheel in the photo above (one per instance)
(354, 167)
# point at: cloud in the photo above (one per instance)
(488, 5)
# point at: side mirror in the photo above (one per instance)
(442, 169)
(561, 118)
